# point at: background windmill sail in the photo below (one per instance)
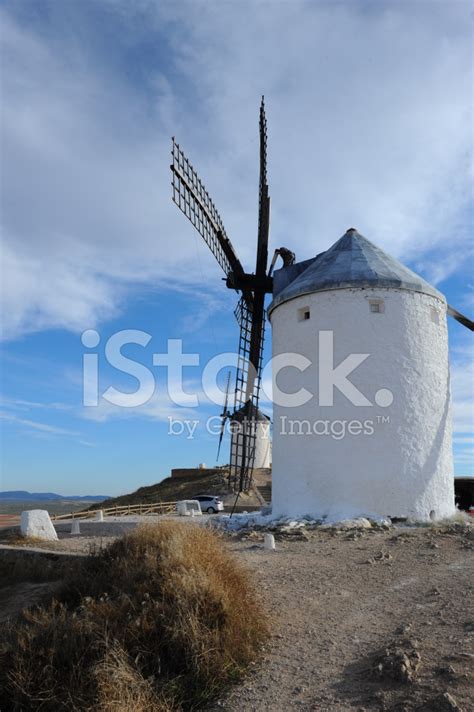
(194, 201)
(224, 415)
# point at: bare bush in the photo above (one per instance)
(161, 620)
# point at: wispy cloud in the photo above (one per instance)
(445, 262)
(35, 425)
(20, 404)
(159, 407)
(39, 428)
(379, 138)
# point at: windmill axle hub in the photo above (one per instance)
(253, 282)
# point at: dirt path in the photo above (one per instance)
(337, 601)
(370, 620)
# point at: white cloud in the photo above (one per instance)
(165, 402)
(35, 425)
(369, 124)
(159, 407)
(38, 428)
(20, 404)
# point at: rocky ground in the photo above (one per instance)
(364, 619)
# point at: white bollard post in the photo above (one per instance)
(269, 542)
(99, 516)
(75, 528)
(37, 523)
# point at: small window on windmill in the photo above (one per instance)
(434, 315)
(376, 306)
(304, 314)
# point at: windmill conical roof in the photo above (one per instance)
(352, 262)
(242, 412)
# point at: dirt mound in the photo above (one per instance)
(399, 661)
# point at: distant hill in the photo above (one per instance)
(24, 496)
(213, 482)
(171, 489)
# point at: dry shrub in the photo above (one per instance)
(122, 687)
(163, 619)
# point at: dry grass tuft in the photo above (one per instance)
(460, 517)
(161, 620)
(122, 687)
(13, 537)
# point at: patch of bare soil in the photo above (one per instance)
(369, 620)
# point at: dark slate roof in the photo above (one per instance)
(353, 261)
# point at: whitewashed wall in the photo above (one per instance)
(263, 445)
(403, 469)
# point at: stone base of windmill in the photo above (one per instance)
(293, 527)
(37, 524)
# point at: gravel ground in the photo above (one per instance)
(379, 620)
(94, 535)
(361, 620)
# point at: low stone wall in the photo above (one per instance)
(190, 472)
(240, 508)
(34, 564)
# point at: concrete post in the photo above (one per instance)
(75, 528)
(269, 542)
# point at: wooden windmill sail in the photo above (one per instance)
(194, 201)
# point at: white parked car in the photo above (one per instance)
(209, 503)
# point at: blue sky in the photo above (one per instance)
(370, 113)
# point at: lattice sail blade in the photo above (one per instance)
(251, 317)
(192, 198)
(263, 199)
(246, 397)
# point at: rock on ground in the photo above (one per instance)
(37, 524)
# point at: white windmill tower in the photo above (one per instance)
(262, 444)
(375, 439)
(371, 434)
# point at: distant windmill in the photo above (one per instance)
(192, 198)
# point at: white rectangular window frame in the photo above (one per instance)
(376, 306)
(434, 315)
(304, 314)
